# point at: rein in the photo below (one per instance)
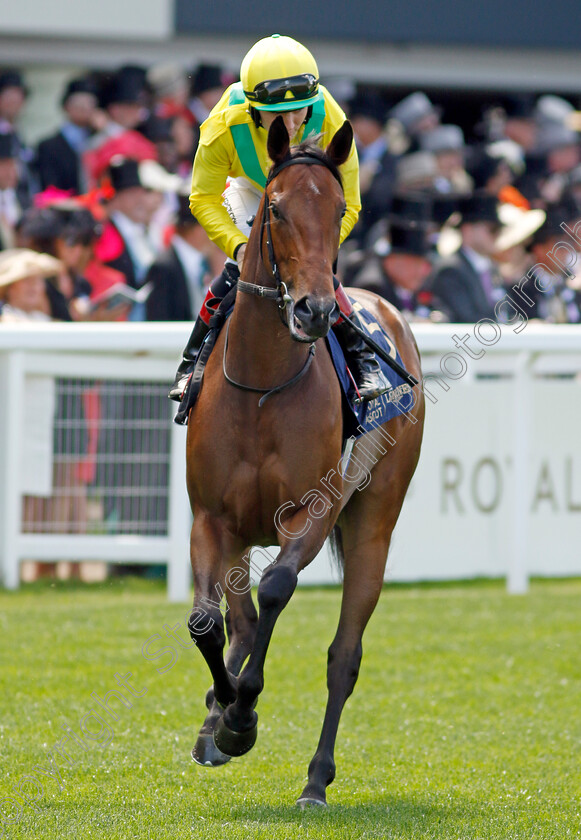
(280, 294)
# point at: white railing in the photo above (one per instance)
(497, 492)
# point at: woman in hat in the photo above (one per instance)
(22, 284)
(279, 76)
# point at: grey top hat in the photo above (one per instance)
(444, 138)
(412, 109)
(555, 136)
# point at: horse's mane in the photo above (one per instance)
(309, 148)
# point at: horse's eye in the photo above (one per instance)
(275, 211)
(343, 211)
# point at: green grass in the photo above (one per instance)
(465, 722)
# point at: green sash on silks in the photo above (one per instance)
(244, 144)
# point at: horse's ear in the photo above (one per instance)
(339, 148)
(278, 143)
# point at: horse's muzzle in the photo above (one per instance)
(312, 318)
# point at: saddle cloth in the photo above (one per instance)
(361, 418)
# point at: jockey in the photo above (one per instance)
(278, 76)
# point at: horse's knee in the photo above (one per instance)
(276, 587)
(206, 626)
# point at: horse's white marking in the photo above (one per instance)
(315, 188)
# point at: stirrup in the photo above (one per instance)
(178, 389)
(370, 385)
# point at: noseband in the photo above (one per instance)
(280, 294)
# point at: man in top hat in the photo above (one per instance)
(446, 143)
(399, 272)
(124, 100)
(416, 114)
(59, 157)
(126, 243)
(181, 274)
(209, 82)
(554, 293)
(467, 282)
(10, 208)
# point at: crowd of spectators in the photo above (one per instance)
(446, 228)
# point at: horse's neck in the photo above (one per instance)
(260, 350)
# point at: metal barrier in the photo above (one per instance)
(92, 468)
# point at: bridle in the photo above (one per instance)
(280, 294)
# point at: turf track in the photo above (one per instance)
(465, 722)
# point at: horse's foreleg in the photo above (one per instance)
(361, 589)
(236, 731)
(209, 552)
(241, 621)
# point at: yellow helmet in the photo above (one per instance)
(279, 74)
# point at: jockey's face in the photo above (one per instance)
(292, 119)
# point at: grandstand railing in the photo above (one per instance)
(92, 468)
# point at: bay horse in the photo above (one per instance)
(249, 459)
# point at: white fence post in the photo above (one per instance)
(179, 520)
(518, 577)
(10, 466)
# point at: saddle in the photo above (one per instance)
(357, 418)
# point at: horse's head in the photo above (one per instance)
(304, 206)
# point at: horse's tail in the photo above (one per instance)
(336, 550)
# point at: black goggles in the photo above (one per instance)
(275, 91)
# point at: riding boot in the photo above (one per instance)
(218, 290)
(188, 363)
(369, 377)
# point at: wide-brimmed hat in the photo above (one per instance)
(19, 263)
(517, 225)
(416, 168)
(166, 79)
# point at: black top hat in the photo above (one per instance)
(443, 206)
(413, 209)
(408, 239)
(124, 173)
(551, 227)
(209, 76)
(12, 78)
(368, 105)
(128, 86)
(7, 146)
(482, 166)
(184, 214)
(82, 85)
(157, 129)
(479, 207)
(519, 107)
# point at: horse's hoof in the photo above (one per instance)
(309, 802)
(207, 753)
(235, 743)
